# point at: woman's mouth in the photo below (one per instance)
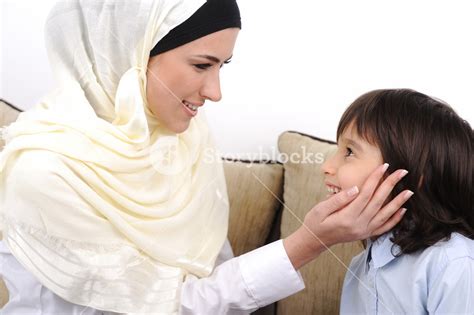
(191, 109)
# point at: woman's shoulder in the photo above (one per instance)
(33, 168)
(37, 161)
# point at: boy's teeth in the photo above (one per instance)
(334, 190)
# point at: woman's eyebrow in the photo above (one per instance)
(212, 58)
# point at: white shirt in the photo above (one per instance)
(437, 280)
(237, 285)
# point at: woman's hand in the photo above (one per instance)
(348, 216)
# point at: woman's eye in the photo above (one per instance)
(203, 66)
(226, 62)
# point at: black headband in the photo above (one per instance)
(213, 16)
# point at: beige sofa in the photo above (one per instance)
(267, 200)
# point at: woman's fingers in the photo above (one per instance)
(380, 196)
(387, 212)
(336, 202)
(367, 191)
(390, 223)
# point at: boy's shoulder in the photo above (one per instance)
(458, 246)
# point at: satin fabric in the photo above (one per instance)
(100, 202)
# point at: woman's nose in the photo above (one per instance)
(212, 88)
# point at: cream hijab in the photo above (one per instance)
(102, 204)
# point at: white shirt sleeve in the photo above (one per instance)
(237, 285)
(242, 284)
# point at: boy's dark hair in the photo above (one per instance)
(425, 136)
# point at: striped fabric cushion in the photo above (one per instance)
(8, 114)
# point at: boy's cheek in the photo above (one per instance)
(353, 178)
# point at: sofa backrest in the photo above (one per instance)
(8, 114)
(254, 191)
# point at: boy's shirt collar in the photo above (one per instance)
(380, 250)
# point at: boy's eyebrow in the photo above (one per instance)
(212, 58)
(354, 144)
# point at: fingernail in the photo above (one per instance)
(385, 167)
(353, 191)
(403, 211)
(408, 194)
(402, 174)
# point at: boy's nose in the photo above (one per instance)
(328, 166)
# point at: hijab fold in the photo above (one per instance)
(100, 202)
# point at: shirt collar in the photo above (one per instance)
(381, 250)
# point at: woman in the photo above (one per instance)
(106, 198)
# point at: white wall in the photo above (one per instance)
(2, 20)
(297, 65)
(24, 74)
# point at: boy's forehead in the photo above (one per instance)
(350, 136)
(366, 135)
(350, 132)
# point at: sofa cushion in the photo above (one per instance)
(303, 188)
(8, 114)
(252, 188)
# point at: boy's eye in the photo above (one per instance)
(349, 152)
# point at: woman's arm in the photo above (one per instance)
(242, 284)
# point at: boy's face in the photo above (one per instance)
(353, 162)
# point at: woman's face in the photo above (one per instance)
(180, 80)
(353, 162)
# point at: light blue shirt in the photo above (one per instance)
(437, 280)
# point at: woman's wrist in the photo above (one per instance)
(302, 247)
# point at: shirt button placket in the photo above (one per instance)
(371, 283)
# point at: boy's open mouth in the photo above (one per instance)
(333, 189)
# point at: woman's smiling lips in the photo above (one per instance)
(191, 108)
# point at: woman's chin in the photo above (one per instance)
(178, 127)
